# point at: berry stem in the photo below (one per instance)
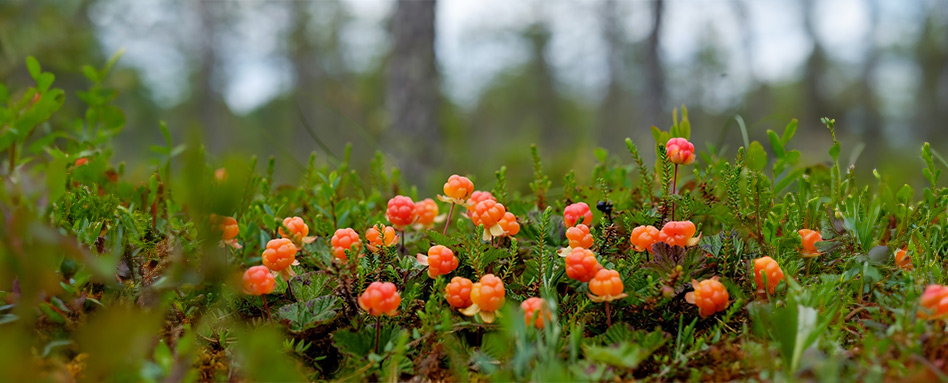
(401, 248)
(378, 327)
(447, 222)
(608, 315)
(266, 307)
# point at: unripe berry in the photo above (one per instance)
(296, 229)
(377, 240)
(581, 264)
(643, 237)
(400, 212)
(458, 188)
(380, 298)
(258, 280)
(606, 286)
(345, 239)
(768, 267)
(809, 238)
(458, 292)
(535, 312)
(279, 255)
(441, 260)
(488, 293)
(710, 296)
(680, 151)
(426, 212)
(934, 302)
(476, 198)
(509, 224)
(579, 236)
(577, 213)
(678, 233)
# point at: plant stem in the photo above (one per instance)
(266, 307)
(447, 222)
(401, 248)
(674, 191)
(378, 327)
(608, 315)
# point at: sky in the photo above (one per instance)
(478, 38)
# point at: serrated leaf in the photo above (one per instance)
(756, 156)
(309, 314)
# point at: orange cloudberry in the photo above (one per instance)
(476, 198)
(680, 151)
(487, 296)
(440, 260)
(934, 302)
(426, 212)
(220, 175)
(296, 229)
(678, 233)
(710, 296)
(345, 239)
(577, 213)
(535, 312)
(380, 298)
(228, 228)
(258, 281)
(509, 224)
(768, 267)
(489, 213)
(606, 286)
(280, 256)
(458, 292)
(643, 237)
(579, 236)
(400, 212)
(809, 239)
(903, 260)
(376, 239)
(457, 190)
(582, 265)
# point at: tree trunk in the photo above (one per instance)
(656, 97)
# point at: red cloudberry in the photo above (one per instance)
(377, 239)
(345, 239)
(606, 286)
(678, 233)
(280, 255)
(258, 281)
(535, 312)
(457, 190)
(440, 260)
(710, 296)
(577, 213)
(81, 161)
(458, 292)
(488, 297)
(380, 298)
(934, 302)
(581, 264)
(809, 239)
(768, 267)
(400, 212)
(643, 237)
(680, 151)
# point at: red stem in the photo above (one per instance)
(608, 315)
(378, 327)
(266, 307)
(447, 222)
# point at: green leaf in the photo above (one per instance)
(905, 194)
(793, 328)
(788, 132)
(90, 73)
(33, 67)
(775, 144)
(834, 151)
(56, 178)
(756, 156)
(305, 315)
(792, 157)
(44, 81)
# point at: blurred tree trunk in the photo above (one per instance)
(615, 117)
(546, 97)
(932, 58)
(656, 94)
(207, 103)
(815, 104)
(412, 94)
(871, 120)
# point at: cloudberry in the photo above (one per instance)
(258, 281)
(380, 298)
(457, 190)
(643, 237)
(710, 296)
(768, 267)
(345, 239)
(426, 212)
(280, 255)
(440, 260)
(934, 302)
(81, 161)
(678, 233)
(400, 212)
(489, 213)
(220, 174)
(509, 224)
(228, 228)
(809, 239)
(579, 236)
(581, 264)
(680, 151)
(535, 312)
(476, 198)
(377, 239)
(296, 229)
(903, 260)
(606, 286)
(577, 213)
(458, 292)
(487, 296)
